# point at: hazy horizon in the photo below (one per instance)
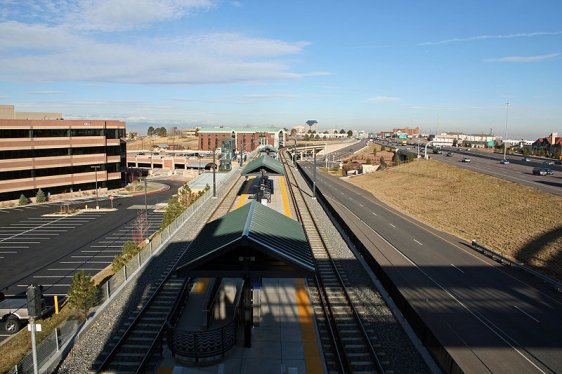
(366, 65)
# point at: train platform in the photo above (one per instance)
(284, 338)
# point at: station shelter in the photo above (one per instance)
(264, 167)
(250, 243)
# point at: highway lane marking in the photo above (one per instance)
(457, 268)
(483, 320)
(375, 214)
(392, 225)
(417, 241)
(90, 256)
(527, 314)
(435, 234)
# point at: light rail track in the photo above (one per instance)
(135, 343)
(345, 339)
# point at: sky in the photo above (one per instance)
(472, 66)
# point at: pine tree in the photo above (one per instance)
(40, 197)
(23, 200)
(83, 293)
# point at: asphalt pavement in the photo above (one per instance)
(490, 318)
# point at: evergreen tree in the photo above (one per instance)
(83, 294)
(396, 159)
(23, 200)
(40, 197)
(382, 162)
(150, 131)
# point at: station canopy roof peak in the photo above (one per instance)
(270, 165)
(252, 241)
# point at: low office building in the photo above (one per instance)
(60, 156)
(246, 139)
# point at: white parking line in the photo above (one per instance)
(420, 243)
(106, 246)
(82, 262)
(457, 268)
(13, 242)
(392, 225)
(12, 246)
(90, 256)
(52, 276)
(105, 251)
(7, 252)
(71, 269)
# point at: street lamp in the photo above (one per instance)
(504, 141)
(145, 193)
(214, 167)
(96, 167)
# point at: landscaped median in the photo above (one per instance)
(519, 222)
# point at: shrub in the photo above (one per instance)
(128, 251)
(23, 200)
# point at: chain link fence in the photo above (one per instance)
(54, 343)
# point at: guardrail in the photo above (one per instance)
(56, 345)
(553, 283)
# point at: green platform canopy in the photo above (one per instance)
(253, 241)
(270, 165)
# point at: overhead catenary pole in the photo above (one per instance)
(314, 174)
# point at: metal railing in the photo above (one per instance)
(553, 283)
(53, 346)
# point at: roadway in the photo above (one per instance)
(517, 171)
(489, 317)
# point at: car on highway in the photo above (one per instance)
(548, 162)
(504, 162)
(526, 159)
(449, 154)
(542, 171)
(465, 159)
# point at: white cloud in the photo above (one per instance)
(54, 53)
(103, 15)
(491, 37)
(383, 99)
(537, 58)
(39, 92)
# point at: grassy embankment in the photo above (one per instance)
(518, 221)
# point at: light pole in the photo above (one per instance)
(145, 204)
(214, 178)
(96, 167)
(504, 141)
(294, 149)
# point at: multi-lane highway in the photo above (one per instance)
(488, 317)
(518, 170)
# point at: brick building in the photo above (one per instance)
(245, 138)
(60, 156)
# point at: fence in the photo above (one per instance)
(554, 284)
(51, 349)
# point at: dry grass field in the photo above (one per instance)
(520, 222)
